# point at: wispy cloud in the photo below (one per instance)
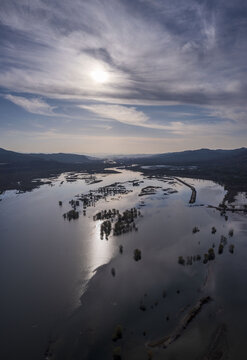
(35, 105)
(131, 116)
(123, 114)
(148, 58)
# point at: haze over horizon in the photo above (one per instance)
(122, 77)
(103, 155)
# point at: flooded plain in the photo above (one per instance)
(66, 293)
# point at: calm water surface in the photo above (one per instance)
(47, 262)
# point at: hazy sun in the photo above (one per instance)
(99, 76)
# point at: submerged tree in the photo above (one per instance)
(181, 260)
(118, 333)
(213, 231)
(113, 272)
(72, 214)
(211, 255)
(137, 254)
(205, 260)
(105, 229)
(223, 240)
(164, 294)
(195, 230)
(117, 353)
(221, 248)
(189, 260)
(142, 307)
(230, 232)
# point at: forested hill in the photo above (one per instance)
(192, 157)
(10, 157)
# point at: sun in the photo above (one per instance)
(100, 76)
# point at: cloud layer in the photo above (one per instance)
(155, 53)
(153, 50)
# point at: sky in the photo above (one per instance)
(123, 76)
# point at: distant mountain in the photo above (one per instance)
(202, 155)
(189, 157)
(7, 157)
(129, 156)
(193, 157)
(18, 171)
(228, 167)
(65, 158)
(11, 157)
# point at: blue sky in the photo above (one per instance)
(114, 76)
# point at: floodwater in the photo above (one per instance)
(48, 263)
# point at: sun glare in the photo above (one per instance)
(99, 76)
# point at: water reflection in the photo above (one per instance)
(101, 251)
(46, 263)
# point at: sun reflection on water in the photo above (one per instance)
(101, 251)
